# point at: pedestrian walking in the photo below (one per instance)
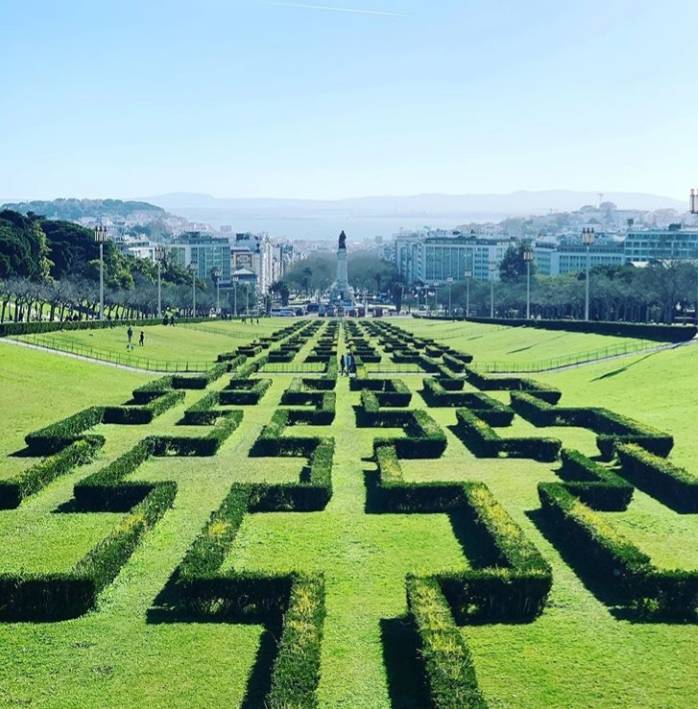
(342, 365)
(129, 335)
(141, 339)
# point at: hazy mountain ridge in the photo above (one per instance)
(72, 209)
(518, 203)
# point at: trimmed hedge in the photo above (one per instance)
(9, 329)
(484, 442)
(42, 597)
(673, 486)
(612, 429)
(199, 381)
(393, 494)
(488, 409)
(661, 333)
(204, 411)
(424, 438)
(651, 591)
(244, 391)
(14, 490)
(152, 390)
(297, 599)
(595, 485)
(311, 494)
(60, 434)
(321, 413)
(138, 415)
(448, 664)
(296, 672)
(106, 489)
(206, 445)
(488, 382)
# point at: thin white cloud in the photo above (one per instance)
(331, 8)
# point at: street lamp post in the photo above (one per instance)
(450, 282)
(492, 269)
(158, 253)
(235, 296)
(694, 210)
(588, 238)
(528, 258)
(192, 270)
(217, 278)
(100, 238)
(467, 275)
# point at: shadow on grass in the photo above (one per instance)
(23, 453)
(620, 370)
(477, 548)
(406, 686)
(259, 681)
(578, 561)
(472, 446)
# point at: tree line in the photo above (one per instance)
(662, 291)
(49, 269)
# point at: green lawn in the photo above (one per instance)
(189, 346)
(577, 654)
(517, 345)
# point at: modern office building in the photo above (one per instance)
(204, 252)
(570, 255)
(435, 256)
(672, 244)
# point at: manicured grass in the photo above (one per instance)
(190, 346)
(517, 345)
(577, 654)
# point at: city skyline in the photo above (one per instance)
(334, 100)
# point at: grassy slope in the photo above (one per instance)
(198, 343)
(577, 654)
(495, 343)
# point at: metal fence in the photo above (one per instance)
(123, 358)
(393, 368)
(635, 347)
(293, 368)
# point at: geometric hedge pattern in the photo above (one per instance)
(507, 581)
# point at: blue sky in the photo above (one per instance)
(250, 98)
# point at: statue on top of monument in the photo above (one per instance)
(342, 240)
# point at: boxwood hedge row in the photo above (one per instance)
(58, 596)
(137, 415)
(488, 382)
(15, 489)
(612, 429)
(244, 391)
(484, 441)
(60, 434)
(448, 665)
(594, 484)
(609, 555)
(672, 485)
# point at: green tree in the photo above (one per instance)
(513, 265)
(23, 247)
(281, 289)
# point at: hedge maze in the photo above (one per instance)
(422, 418)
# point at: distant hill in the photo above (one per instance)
(75, 209)
(366, 217)
(512, 204)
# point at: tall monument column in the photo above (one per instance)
(342, 271)
(341, 292)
